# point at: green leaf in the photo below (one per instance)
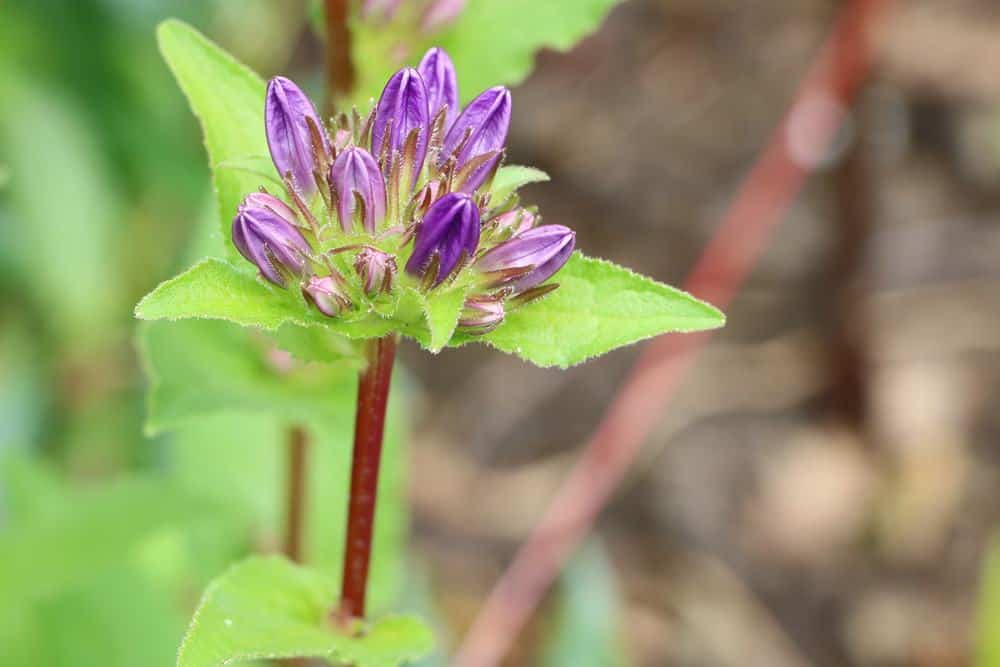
(495, 41)
(199, 368)
(270, 608)
(513, 177)
(442, 308)
(586, 632)
(315, 344)
(598, 307)
(213, 289)
(228, 99)
(987, 648)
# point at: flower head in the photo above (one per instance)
(264, 232)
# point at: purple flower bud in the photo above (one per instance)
(326, 295)
(264, 232)
(439, 76)
(356, 180)
(441, 13)
(287, 111)
(481, 314)
(530, 258)
(449, 231)
(514, 222)
(477, 171)
(401, 110)
(482, 127)
(377, 270)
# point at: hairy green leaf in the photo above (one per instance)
(598, 307)
(270, 608)
(228, 99)
(512, 177)
(442, 308)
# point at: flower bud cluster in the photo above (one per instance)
(408, 185)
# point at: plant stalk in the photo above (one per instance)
(298, 444)
(339, 67)
(369, 426)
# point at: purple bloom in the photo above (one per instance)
(481, 314)
(264, 232)
(376, 270)
(326, 295)
(287, 111)
(355, 177)
(449, 231)
(529, 259)
(402, 109)
(439, 76)
(482, 127)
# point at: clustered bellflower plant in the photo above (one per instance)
(400, 198)
(403, 220)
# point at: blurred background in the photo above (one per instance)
(822, 488)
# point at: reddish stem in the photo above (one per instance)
(339, 68)
(369, 425)
(298, 443)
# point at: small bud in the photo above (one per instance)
(481, 314)
(287, 115)
(439, 76)
(356, 177)
(376, 269)
(482, 127)
(441, 13)
(401, 110)
(513, 222)
(264, 232)
(448, 233)
(326, 295)
(541, 251)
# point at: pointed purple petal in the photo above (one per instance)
(485, 120)
(286, 109)
(439, 76)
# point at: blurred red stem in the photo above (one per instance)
(339, 67)
(765, 196)
(369, 425)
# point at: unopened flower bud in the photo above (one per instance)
(401, 110)
(264, 232)
(358, 184)
(448, 232)
(482, 127)
(326, 295)
(481, 314)
(287, 117)
(514, 222)
(439, 76)
(376, 269)
(529, 259)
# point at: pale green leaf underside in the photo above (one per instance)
(270, 608)
(228, 99)
(512, 177)
(598, 307)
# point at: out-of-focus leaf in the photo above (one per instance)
(228, 99)
(63, 214)
(988, 630)
(200, 368)
(587, 625)
(270, 608)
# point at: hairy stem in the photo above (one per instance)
(369, 425)
(298, 444)
(339, 68)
